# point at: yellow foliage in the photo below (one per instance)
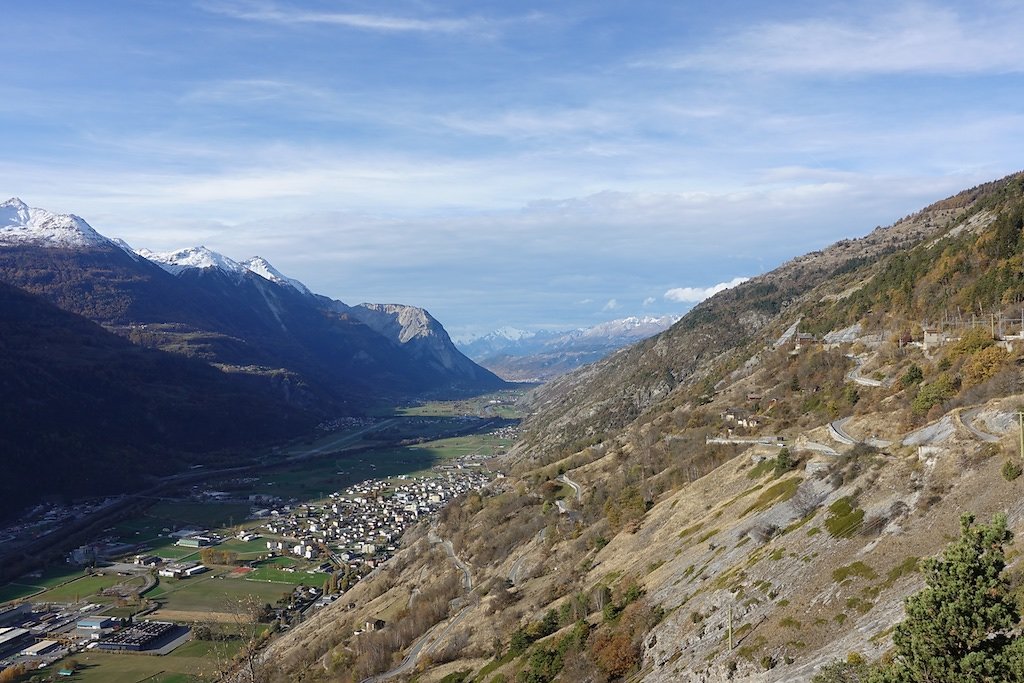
(983, 365)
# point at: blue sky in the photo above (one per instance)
(523, 164)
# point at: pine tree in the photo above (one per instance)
(958, 628)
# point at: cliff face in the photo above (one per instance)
(743, 497)
(420, 335)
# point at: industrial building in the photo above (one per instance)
(140, 636)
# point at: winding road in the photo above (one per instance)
(575, 487)
(438, 632)
(855, 376)
(966, 418)
(513, 572)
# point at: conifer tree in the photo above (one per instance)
(958, 629)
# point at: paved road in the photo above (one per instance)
(513, 572)
(836, 431)
(967, 420)
(816, 447)
(575, 487)
(437, 632)
(424, 644)
(855, 376)
(467, 578)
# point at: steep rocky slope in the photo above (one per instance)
(743, 497)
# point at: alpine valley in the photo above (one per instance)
(539, 356)
(182, 358)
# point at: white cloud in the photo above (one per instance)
(649, 301)
(920, 38)
(270, 12)
(610, 306)
(695, 294)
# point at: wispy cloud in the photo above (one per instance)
(919, 38)
(610, 306)
(273, 13)
(691, 295)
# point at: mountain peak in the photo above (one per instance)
(14, 203)
(22, 225)
(192, 258)
(262, 267)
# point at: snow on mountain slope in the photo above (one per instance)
(613, 333)
(262, 267)
(22, 225)
(201, 258)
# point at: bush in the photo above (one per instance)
(1011, 470)
(854, 670)
(984, 365)
(933, 394)
(913, 375)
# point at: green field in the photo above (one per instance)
(186, 664)
(202, 515)
(87, 588)
(251, 550)
(483, 445)
(210, 593)
(170, 550)
(15, 591)
(315, 479)
(27, 585)
(269, 574)
(478, 405)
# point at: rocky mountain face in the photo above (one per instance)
(524, 356)
(747, 496)
(424, 339)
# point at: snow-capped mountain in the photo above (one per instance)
(521, 355)
(262, 267)
(22, 225)
(240, 314)
(199, 258)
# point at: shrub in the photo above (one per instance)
(971, 342)
(1011, 470)
(933, 394)
(913, 375)
(784, 462)
(854, 670)
(983, 365)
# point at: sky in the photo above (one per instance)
(523, 164)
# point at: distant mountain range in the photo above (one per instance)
(521, 355)
(132, 335)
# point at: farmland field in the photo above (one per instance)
(211, 593)
(88, 588)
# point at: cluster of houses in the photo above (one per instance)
(362, 525)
